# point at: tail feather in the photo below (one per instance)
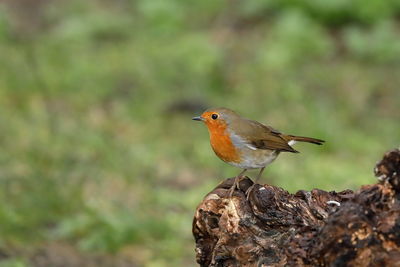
(306, 139)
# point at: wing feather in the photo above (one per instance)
(263, 137)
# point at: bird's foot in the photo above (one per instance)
(235, 185)
(248, 191)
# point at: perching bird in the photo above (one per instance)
(245, 143)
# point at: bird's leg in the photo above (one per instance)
(259, 174)
(236, 183)
(256, 181)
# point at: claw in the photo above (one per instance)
(248, 191)
(232, 189)
(235, 185)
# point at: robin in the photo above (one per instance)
(245, 143)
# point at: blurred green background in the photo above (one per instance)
(101, 164)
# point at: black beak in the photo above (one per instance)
(198, 118)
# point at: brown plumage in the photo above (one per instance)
(245, 143)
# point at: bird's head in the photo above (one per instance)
(217, 117)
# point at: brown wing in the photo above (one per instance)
(274, 143)
(262, 136)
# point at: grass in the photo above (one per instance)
(96, 154)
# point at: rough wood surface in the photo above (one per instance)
(308, 228)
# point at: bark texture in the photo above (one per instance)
(274, 228)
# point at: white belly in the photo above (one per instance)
(251, 157)
(254, 159)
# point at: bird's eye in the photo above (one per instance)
(214, 116)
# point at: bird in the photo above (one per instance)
(245, 143)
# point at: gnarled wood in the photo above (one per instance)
(275, 228)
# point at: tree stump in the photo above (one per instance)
(271, 227)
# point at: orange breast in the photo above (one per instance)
(222, 144)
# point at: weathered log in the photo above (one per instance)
(309, 228)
